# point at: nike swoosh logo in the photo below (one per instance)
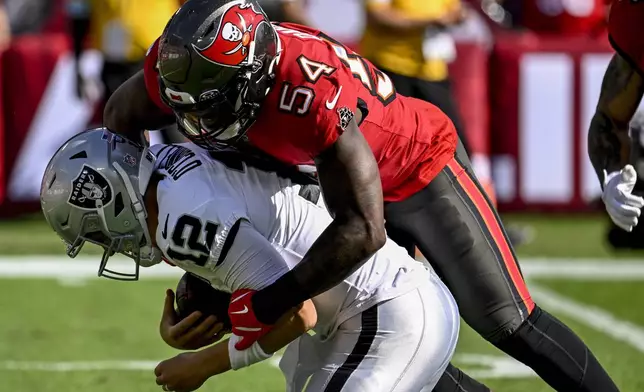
(240, 297)
(331, 104)
(164, 232)
(243, 311)
(246, 329)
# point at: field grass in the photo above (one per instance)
(99, 335)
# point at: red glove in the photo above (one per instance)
(242, 317)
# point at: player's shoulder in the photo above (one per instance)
(307, 52)
(289, 32)
(192, 179)
(178, 160)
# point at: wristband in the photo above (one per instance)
(245, 358)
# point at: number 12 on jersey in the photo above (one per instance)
(186, 244)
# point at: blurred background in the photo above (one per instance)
(519, 78)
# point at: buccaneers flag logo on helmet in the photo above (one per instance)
(236, 31)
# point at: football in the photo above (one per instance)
(195, 294)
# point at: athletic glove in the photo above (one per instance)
(623, 207)
(242, 317)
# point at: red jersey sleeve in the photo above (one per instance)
(150, 74)
(625, 31)
(337, 103)
(312, 102)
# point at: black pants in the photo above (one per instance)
(437, 93)
(454, 226)
(458, 231)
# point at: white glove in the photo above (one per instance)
(623, 207)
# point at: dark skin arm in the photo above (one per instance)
(608, 142)
(350, 182)
(130, 111)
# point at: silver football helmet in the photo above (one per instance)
(93, 191)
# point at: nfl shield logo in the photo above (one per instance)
(345, 114)
(129, 160)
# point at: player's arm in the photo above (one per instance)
(189, 371)
(130, 110)
(350, 182)
(256, 263)
(608, 141)
(292, 325)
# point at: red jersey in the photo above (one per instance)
(625, 31)
(319, 84)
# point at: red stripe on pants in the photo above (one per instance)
(493, 225)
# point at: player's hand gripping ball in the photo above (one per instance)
(194, 294)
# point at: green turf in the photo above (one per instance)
(101, 320)
(32, 235)
(577, 236)
(104, 320)
(554, 236)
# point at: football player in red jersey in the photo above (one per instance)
(609, 144)
(230, 77)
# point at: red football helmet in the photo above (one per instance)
(216, 60)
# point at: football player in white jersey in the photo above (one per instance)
(390, 326)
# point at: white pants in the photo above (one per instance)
(400, 345)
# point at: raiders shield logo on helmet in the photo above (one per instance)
(237, 29)
(88, 188)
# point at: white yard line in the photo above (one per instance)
(492, 366)
(591, 316)
(484, 366)
(64, 268)
(585, 269)
(74, 366)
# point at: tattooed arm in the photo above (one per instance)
(608, 141)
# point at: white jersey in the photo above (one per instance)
(240, 227)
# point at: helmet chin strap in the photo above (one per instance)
(152, 254)
(251, 58)
(249, 74)
(275, 61)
